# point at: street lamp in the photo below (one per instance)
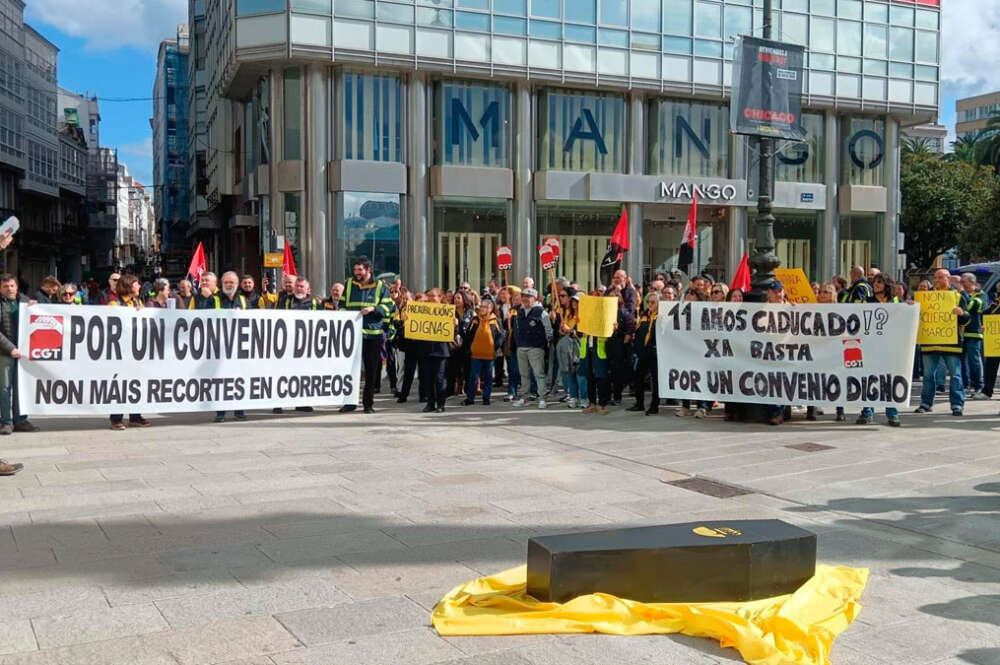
(764, 260)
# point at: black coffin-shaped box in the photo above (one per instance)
(676, 563)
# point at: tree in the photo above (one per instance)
(917, 145)
(980, 241)
(943, 201)
(966, 148)
(988, 146)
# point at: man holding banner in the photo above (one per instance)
(944, 314)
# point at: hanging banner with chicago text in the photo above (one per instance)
(87, 360)
(767, 94)
(811, 355)
(430, 322)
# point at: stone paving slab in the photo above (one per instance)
(328, 538)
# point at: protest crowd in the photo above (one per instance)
(522, 341)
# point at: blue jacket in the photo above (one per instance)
(532, 328)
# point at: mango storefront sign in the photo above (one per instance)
(938, 324)
(430, 322)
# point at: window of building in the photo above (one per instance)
(646, 15)
(293, 114)
(321, 6)
(369, 227)
(11, 133)
(581, 131)
(467, 233)
(246, 7)
(546, 8)
(797, 240)
(864, 151)
(293, 224)
(581, 11)
(583, 231)
(370, 116)
(803, 162)
(901, 44)
(472, 124)
(689, 139)
(677, 17)
(355, 8)
(707, 19)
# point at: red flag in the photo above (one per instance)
(198, 266)
(690, 241)
(617, 247)
(741, 280)
(288, 263)
(620, 236)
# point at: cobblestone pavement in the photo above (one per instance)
(326, 538)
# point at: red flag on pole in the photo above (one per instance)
(288, 263)
(690, 241)
(617, 247)
(741, 280)
(197, 267)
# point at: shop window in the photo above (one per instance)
(371, 117)
(796, 240)
(860, 241)
(467, 233)
(864, 151)
(369, 227)
(583, 231)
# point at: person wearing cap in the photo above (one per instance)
(532, 333)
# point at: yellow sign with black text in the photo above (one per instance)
(430, 322)
(273, 259)
(938, 323)
(598, 316)
(797, 286)
(991, 336)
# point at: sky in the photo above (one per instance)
(108, 47)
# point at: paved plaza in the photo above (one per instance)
(326, 538)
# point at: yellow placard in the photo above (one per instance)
(598, 316)
(273, 259)
(991, 335)
(938, 324)
(430, 322)
(797, 286)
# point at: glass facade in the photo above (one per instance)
(472, 124)
(864, 149)
(860, 241)
(581, 131)
(369, 227)
(803, 162)
(689, 139)
(583, 231)
(293, 114)
(467, 233)
(371, 118)
(797, 240)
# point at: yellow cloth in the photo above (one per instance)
(794, 629)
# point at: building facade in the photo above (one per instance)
(170, 142)
(933, 135)
(425, 134)
(974, 113)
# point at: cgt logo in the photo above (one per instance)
(45, 337)
(853, 356)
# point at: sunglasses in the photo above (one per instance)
(716, 292)
(67, 293)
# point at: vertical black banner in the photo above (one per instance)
(767, 89)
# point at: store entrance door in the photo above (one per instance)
(580, 259)
(466, 257)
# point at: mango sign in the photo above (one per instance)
(938, 324)
(598, 316)
(797, 286)
(991, 335)
(430, 322)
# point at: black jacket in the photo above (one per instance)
(8, 331)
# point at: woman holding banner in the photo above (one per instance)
(127, 295)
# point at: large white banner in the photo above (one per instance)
(86, 360)
(813, 355)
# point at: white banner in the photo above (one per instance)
(812, 355)
(84, 360)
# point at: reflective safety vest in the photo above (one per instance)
(602, 352)
(374, 294)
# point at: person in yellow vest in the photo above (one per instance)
(206, 296)
(371, 298)
(127, 295)
(593, 373)
(228, 297)
(487, 337)
(284, 299)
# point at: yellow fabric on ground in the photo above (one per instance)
(794, 629)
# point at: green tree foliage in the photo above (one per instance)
(946, 203)
(917, 145)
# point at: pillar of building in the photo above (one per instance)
(315, 223)
(523, 229)
(636, 166)
(416, 264)
(829, 248)
(890, 228)
(276, 201)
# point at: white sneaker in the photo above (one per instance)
(681, 412)
(517, 402)
(700, 413)
(979, 397)
(508, 398)
(571, 403)
(541, 404)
